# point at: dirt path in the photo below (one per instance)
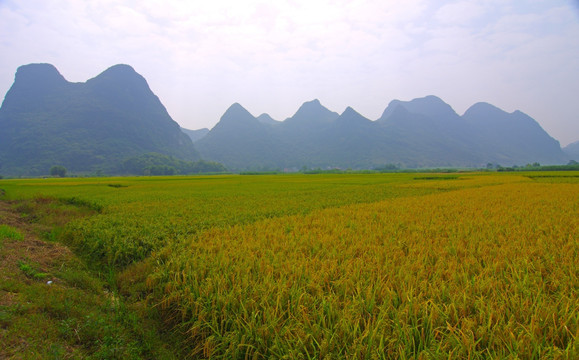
(29, 269)
(52, 306)
(48, 255)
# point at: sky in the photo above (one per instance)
(200, 57)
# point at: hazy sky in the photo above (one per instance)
(199, 57)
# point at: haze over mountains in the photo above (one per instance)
(572, 150)
(113, 118)
(424, 132)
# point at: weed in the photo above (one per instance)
(31, 272)
(9, 232)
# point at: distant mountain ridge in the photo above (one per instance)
(46, 120)
(424, 132)
(114, 118)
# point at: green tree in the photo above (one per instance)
(58, 170)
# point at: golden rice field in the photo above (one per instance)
(351, 266)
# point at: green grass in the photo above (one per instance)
(31, 271)
(9, 232)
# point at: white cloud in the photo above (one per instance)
(460, 13)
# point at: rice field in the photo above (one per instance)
(353, 266)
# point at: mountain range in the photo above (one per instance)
(114, 122)
(424, 132)
(46, 120)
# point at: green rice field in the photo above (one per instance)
(327, 266)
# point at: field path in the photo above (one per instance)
(52, 306)
(42, 257)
